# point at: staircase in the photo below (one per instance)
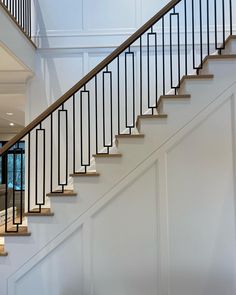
(99, 148)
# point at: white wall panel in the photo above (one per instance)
(150, 7)
(201, 202)
(51, 275)
(55, 16)
(124, 240)
(110, 15)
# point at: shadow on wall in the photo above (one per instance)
(45, 87)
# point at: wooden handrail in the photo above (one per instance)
(89, 76)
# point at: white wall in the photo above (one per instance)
(168, 227)
(74, 37)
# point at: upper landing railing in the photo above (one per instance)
(20, 12)
(107, 101)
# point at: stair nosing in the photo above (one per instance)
(138, 135)
(3, 253)
(87, 174)
(107, 155)
(60, 194)
(172, 97)
(43, 214)
(148, 116)
(17, 234)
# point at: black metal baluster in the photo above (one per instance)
(74, 134)
(23, 14)
(89, 130)
(29, 167)
(193, 34)
(148, 71)
(40, 204)
(155, 65)
(36, 170)
(51, 158)
(20, 12)
(200, 20)
(208, 29)
(30, 18)
(26, 17)
(59, 149)
(96, 112)
(6, 191)
(126, 91)
(141, 77)
(44, 166)
(118, 92)
(215, 18)
(163, 56)
(103, 113)
(223, 24)
(178, 47)
(186, 37)
(21, 185)
(231, 17)
(17, 11)
(107, 72)
(85, 165)
(14, 186)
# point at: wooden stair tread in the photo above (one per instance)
(117, 155)
(221, 56)
(66, 193)
(136, 135)
(196, 77)
(43, 212)
(149, 116)
(83, 174)
(2, 251)
(177, 96)
(217, 56)
(22, 232)
(172, 97)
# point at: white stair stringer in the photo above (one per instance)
(83, 222)
(113, 170)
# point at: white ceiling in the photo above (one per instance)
(8, 62)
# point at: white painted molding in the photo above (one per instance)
(103, 37)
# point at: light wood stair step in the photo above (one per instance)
(217, 57)
(135, 135)
(2, 251)
(196, 77)
(43, 212)
(87, 174)
(171, 97)
(149, 116)
(116, 155)
(66, 193)
(221, 56)
(22, 232)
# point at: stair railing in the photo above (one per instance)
(20, 12)
(61, 141)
